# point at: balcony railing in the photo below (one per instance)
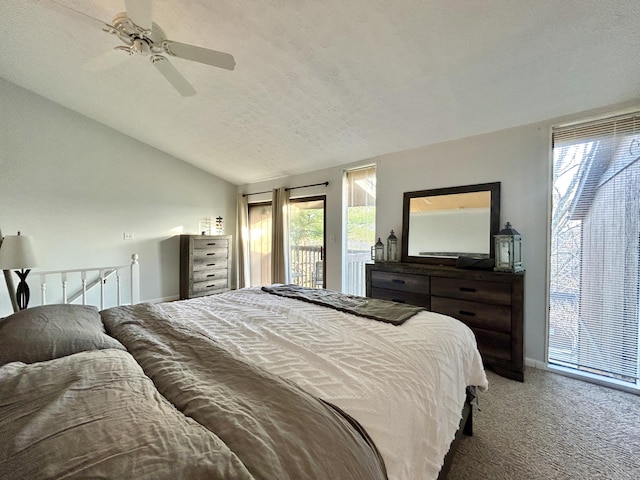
(307, 268)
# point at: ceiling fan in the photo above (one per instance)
(141, 36)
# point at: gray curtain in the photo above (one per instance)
(280, 236)
(242, 243)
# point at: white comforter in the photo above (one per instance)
(405, 385)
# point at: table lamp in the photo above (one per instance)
(17, 253)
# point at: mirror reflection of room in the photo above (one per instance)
(450, 225)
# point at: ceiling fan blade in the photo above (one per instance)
(139, 11)
(105, 26)
(174, 77)
(199, 54)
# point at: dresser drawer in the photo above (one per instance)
(207, 243)
(208, 287)
(474, 290)
(412, 298)
(405, 282)
(493, 345)
(210, 274)
(209, 253)
(211, 263)
(475, 314)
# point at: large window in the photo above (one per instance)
(595, 245)
(360, 192)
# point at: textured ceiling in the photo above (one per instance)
(324, 83)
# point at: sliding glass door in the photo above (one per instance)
(306, 240)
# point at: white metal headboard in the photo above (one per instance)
(85, 283)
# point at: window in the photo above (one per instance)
(595, 245)
(360, 231)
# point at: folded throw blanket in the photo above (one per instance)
(376, 309)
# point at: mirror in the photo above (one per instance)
(440, 225)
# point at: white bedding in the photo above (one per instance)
(405, 385)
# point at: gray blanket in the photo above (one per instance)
(274, 428)
(96, 415)
(373, 308)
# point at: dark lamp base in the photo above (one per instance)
(22, 292)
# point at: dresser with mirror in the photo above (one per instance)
(442, 230)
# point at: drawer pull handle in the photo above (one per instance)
(211, 264)
(397, 300)
(467, 289)
(469, 314)
(211, 253)
(397, 280)
(211, 275)
(209, 286)
(213, 244)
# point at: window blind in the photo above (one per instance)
(594, 285)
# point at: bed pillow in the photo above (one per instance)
(46, 332)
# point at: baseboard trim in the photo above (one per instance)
(171, 298)
(531, 362)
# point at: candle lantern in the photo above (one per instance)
(377, 251)
(508, 248)
(392, 248)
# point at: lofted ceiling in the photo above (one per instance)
(321, 83)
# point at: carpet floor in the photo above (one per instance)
(551, 428)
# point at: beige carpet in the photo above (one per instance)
(551, 427)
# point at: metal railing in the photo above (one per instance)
(307, 269)
(83, 285)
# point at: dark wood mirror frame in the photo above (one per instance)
(494, 228)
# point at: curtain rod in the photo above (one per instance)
(326, 184)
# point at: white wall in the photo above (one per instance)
(77, 186)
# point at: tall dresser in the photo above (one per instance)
(205, 262)
(490, 303)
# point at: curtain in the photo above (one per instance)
(280, 236)
(242, 239)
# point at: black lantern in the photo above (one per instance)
(392, 248)
(377, 251)
(508, 243)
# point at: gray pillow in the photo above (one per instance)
(46, 332)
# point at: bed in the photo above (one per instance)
(245, 384)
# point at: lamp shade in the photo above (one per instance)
(17, 252)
